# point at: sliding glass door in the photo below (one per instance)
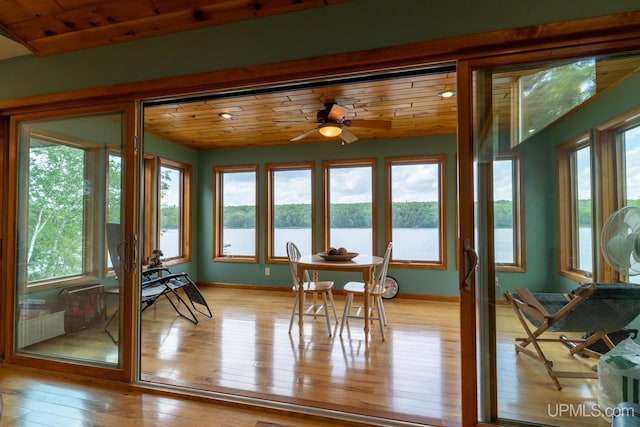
(554, 146)
(72, 256)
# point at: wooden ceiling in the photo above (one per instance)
(48, 27)
(410, 104)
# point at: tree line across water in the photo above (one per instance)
(346, 215)
(358, 215)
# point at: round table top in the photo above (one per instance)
(359, 262)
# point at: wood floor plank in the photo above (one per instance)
(246, 348)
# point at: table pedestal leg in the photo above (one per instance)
(368, 281)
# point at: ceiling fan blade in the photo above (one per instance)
(347, 136)
(291, 122)
(302, 135)
(337, 112)
(374, 124)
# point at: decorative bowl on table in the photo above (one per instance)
(337, 257)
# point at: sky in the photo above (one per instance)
(415, 183)
(348, 185)
(502, 180)
(292, 186)
(171, 197)
(410, 182)
(633, 163)
(239, 188)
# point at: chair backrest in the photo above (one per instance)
(293, 253)
(610, 307)
(381, 274)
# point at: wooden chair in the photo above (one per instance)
(377, 290)
(600, 308)
(312, 308)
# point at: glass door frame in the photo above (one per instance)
(580, 38)
(477, 311)
(130, 216)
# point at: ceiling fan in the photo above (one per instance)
(332, 122)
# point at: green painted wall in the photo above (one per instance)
(539, 216)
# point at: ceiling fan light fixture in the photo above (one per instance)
(329, 130)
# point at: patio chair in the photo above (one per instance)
(377, 290)
(313, 288)
(152, 281)
(161, 282)
(600, 308)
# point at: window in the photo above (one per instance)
(630, 156)
(236, 213)
(416, 210)
(576, 209)
(114, 191)
(546, 95)
(149, 208)
(629, 147)
(290, 208)
(508, 213)
(60, 207)
(349, 218)
(174, 207)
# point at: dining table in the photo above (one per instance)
(364, 264)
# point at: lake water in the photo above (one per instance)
(408, 243)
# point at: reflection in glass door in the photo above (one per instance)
(67, 295)
(566, 129)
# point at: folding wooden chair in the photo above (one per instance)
(600, 308)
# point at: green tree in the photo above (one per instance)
(503, 214)
(292, 216)
(56, 195)
(114, 191)
(548, 94)
(239, 216)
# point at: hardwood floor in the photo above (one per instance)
(412, 376)
(247, 347)
(33, 398)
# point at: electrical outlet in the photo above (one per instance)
(267, 271)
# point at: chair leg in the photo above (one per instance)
(326, 312)
(384, 313)
(538, 355)
(381, 320)
(293, 312)
(333, 306)
(191, 316)
(314, 304)
(347, 310)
